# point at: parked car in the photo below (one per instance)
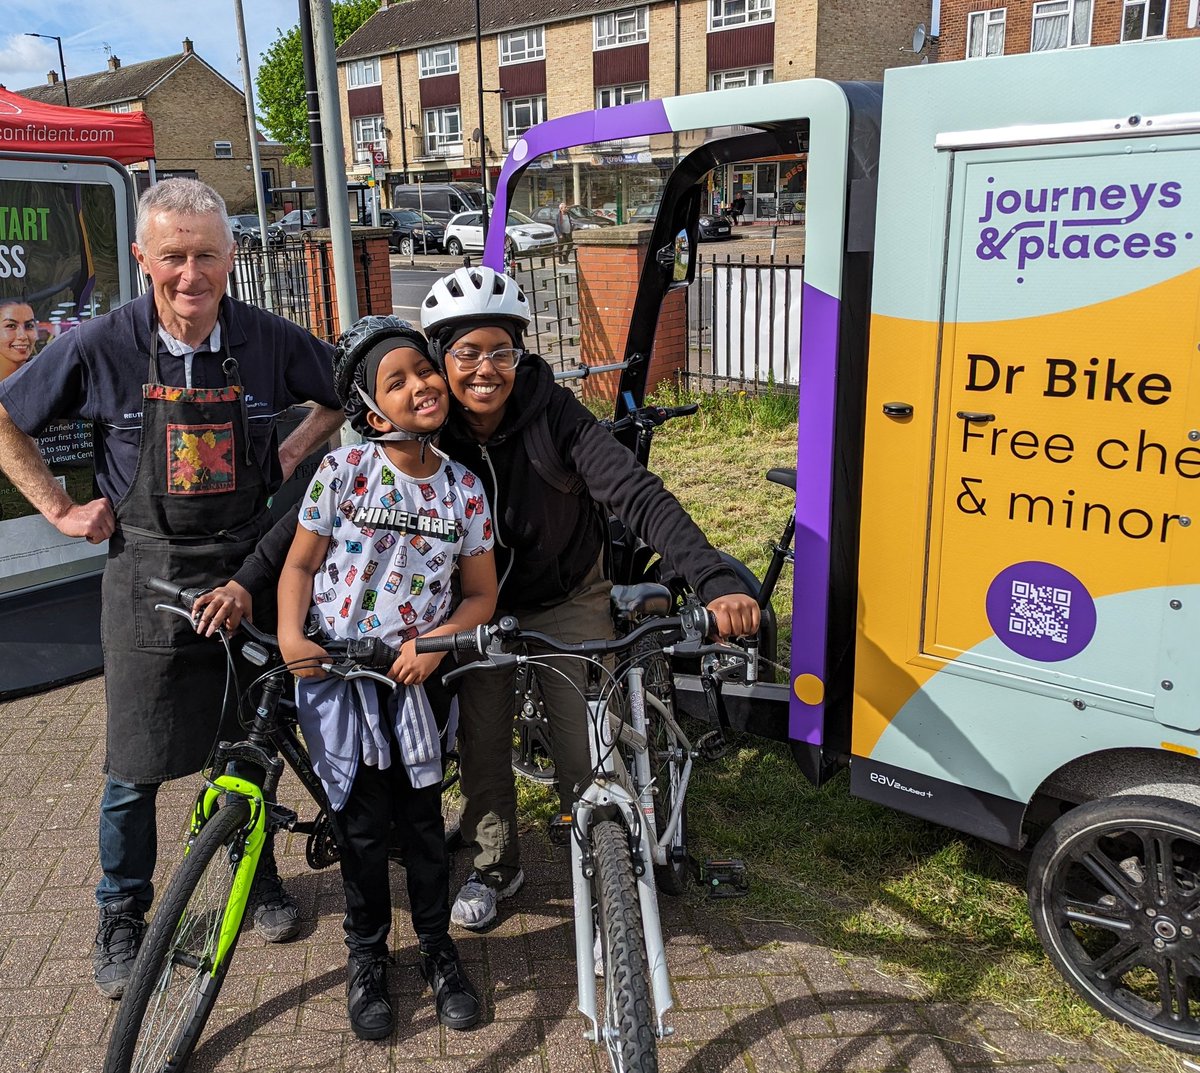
(293, 224)
(713, 226)
(412, 230)
(440, 200)
(465, 232)
(246, 232)
(582, 218)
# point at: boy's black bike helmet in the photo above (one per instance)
(356, 360)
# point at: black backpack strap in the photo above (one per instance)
(545, 458)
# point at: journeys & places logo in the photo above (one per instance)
(1026, 226)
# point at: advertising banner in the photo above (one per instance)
(62, 244)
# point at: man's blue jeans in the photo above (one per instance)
(128, 842)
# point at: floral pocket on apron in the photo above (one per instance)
(200, 459)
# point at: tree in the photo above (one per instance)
(281, 79)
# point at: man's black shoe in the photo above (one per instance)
(118, 937)
(367, 1001)
(275, 913)
(456, 999)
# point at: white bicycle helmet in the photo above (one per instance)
(473, 295)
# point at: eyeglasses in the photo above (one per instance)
(469, 359)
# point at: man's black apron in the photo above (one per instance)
(195, 509)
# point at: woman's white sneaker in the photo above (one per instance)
(475, 906)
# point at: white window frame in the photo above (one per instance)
(726, 14)
(438, 140)
(531, 41)
(436, 60)
(1145, 6)
(615, 29)
(1054, 10)
(368, 131)
(123, 106)
(361, 73)
(630, 93)
(222, 149)
(740, 77)
(996, 16)
(531, 108)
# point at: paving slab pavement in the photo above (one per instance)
(752, 997)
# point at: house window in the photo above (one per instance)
(363, 73)
(1061, 24)
(124, 106)
(608, 96)
(443, 131)
(520, 46)
(223, 150)
(520, 114)
(438, 60)
(985, 33)
(739, 79)
(626, 27)
(368, 135)
(1143, 18)
(725, 13)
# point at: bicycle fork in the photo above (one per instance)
(607, 793)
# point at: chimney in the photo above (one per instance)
(113, 63)
(187, 46)
(52, 78)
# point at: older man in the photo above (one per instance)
(183, 387)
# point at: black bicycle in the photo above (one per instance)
(190, 943)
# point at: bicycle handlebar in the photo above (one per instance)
(650, 417)
(369, 653)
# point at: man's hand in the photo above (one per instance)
(93, 521)
(737, 615)
(226, 606)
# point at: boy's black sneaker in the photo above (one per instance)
(275, 913)
(367, 1001)
(453, 994)
(118, 937)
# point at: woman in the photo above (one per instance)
(18, 335)
(507, 414)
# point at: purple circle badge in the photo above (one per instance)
(1041, 611)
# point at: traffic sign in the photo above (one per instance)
(380, 157)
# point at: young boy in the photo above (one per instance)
(382, 530)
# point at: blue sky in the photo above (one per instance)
(134, 30)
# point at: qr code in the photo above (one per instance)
(1040, 611)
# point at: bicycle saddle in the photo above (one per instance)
(645, 598)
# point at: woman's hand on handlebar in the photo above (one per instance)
(303, 657)
(222, 607)
(411, 669)
(737, 615)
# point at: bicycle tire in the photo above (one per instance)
(164, 1010)
(666, 766)
(627, 1021)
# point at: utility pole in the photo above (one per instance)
(335, 163)
(483, 172)
(255, 159)
(320, 194)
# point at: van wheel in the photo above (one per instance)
(1114, 891)
(454, 248)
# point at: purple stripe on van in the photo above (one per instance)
(814, 489)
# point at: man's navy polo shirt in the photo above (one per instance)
(96, 371)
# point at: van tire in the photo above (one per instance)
(1112, 891)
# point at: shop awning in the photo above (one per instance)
(49, 129)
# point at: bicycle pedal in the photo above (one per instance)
(280, 816)
(724, 878)
(712, 746)
(559, 830)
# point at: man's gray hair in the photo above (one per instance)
(190, 197)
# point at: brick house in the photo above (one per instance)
(974, 29)
(408, 86)
(199, 121)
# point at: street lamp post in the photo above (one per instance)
(483, 172)
(61, 65)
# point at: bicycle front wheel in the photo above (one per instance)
(627, 1023)
(667, 757)
(176, 978)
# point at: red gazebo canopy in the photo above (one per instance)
(49, 129)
